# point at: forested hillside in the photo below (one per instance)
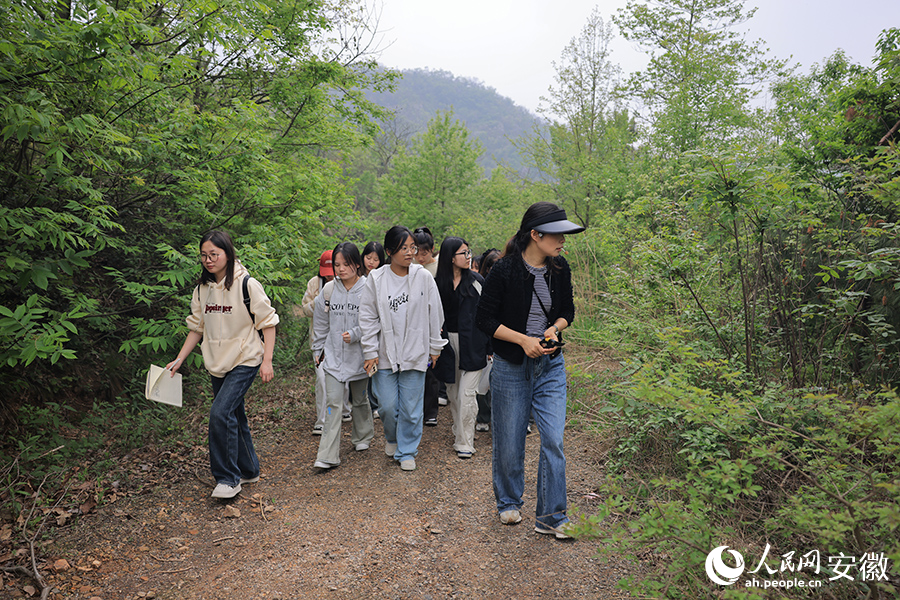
(492, 119)
(741, 262)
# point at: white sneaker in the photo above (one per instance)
(408, 465)
(321, 464)
(375, 414)
(347, 418)
(443, 402)
(251, 480)
(362, 446)
(482, 426)
(318, 429)
(226, 491)
(390, 449)
(510, 517)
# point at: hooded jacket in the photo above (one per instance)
(424, 318)
(343, 361)
(230, 337)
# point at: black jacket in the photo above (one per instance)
(474, 344)
(506, 300)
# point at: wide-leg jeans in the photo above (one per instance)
(362, 428)
(463, 403)
(400, 407)
(537, 386)
(231, 453)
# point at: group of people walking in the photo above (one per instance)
(389, 326)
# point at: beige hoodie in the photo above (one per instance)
(229, 335)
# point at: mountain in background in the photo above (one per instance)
(490, 117)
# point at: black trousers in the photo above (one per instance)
(432, 385)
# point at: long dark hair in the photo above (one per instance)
(394, 238)
(377, 248)
(351, 254)
(221, 240)
(519, 242)
(444, 277)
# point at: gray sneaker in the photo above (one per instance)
(482, 426)
(390, 449)
(226, 491)
(559, 532)
(408, 465)
(510, 517)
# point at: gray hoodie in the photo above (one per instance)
(343, 361)
(424, 318)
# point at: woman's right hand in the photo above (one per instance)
(370, 366)
(174, 366)
(532, 347)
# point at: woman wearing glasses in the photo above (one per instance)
(400, 319)
(232, 354)
(460, 290)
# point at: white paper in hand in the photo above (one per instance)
(162, 387)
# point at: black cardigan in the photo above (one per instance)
(474, 344)
(506, 300)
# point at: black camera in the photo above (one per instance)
(551, 343)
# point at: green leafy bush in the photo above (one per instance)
(798, 470)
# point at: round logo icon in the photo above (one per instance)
(718, 571)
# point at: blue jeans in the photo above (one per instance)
(231, 453)
(537, 386)
(400, 406)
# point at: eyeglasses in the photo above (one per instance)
(409, 249)
(467, 253)
(211, 257)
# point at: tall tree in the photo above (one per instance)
(702, 73)
(585, 152)
(431, 182)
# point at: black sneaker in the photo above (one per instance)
(432, 422)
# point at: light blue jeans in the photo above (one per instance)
(537, 386)
(231, 453)
(400, 398)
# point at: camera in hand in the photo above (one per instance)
(551, 343)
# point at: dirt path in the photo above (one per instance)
(363, 530)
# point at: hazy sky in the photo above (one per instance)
(511, 45)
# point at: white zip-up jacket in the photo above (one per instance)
(424, 318)
(343, 361)
(230, 337)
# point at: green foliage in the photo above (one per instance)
(701, 73)
(127, 131)
(586, 153)
(432, 182)
(705, 460)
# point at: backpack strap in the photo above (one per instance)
(326, 294)
(245, 290)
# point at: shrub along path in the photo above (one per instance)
(362, 530)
